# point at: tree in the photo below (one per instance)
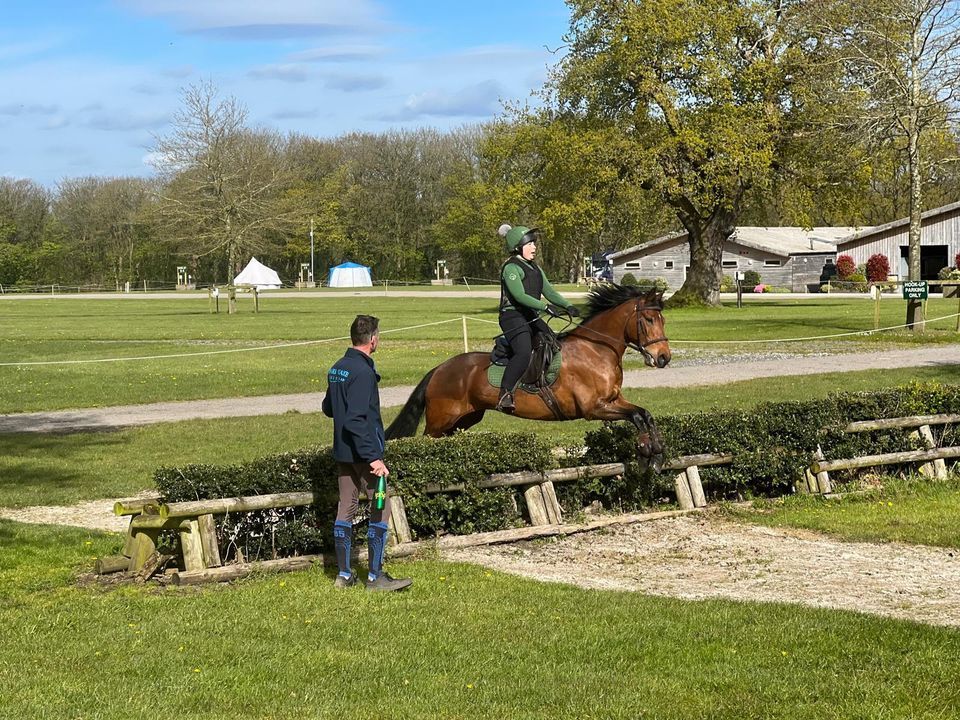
(903, 62)
(712, 100)
(224, 183)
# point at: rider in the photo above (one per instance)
(522, 282)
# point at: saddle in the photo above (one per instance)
(538, 372)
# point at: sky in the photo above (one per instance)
(86, 86)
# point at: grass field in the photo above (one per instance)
(86, 329)
(912, 510)
(465, 643)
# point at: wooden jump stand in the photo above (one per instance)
(194, 521)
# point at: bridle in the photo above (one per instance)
(642, 349)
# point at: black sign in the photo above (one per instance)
(915, 290)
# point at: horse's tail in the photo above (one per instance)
(405, 424)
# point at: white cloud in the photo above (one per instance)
(286, 73)
(479, 100)
(343, 53)
(258, 20)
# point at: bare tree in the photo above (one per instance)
(903, 61)
(224, 183)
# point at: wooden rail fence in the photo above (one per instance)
(194, 521)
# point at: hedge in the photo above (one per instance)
(772, 444)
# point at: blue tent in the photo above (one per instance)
(349, 274)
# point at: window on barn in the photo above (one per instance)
(633, 265)
(668, 264)
(772, 263)
(730, 264)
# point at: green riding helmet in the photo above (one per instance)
(519, 236)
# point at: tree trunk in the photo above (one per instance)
(915, 319)
(706, 239)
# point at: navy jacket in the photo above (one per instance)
(353, 401)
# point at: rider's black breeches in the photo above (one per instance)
(518, 331)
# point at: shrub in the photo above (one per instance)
(772, 444)
(628, 279)
(948, 273)
(726, 284)
(845, 267)
(658, 284)
(761, 288)
(956, 261)
(751, 278)
(878, 268)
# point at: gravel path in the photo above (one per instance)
(707, 556)
(710, 369)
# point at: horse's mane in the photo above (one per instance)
(609, 295)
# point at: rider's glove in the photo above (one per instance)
(572, 311)
(554, 310)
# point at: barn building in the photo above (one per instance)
(789, 257)
(939, 242)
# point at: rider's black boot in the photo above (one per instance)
(505, 404)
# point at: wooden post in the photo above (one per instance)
(231, 300)
(938, 468)
(824, 485)
(466, 345)
(551, 503)
(145, 543)
(208, 541)
(398, 514)
(111, 564)
(810, 481)
(535, 505)
(684, 498)
(876, 307)
(190, 546)
(696, 487)
(256, 299)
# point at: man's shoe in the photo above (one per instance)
(506, 404)
(342, 582)
(385, 583)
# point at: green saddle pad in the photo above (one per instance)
(495, 374)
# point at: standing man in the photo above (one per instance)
(353, 401)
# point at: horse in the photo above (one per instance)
(455, 394)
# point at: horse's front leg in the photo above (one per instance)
(649, 442)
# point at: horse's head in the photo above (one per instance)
(647, 334)
(627, 311)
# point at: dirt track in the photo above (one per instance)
(679, 374)
(707, 556)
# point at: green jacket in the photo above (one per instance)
(520, 282)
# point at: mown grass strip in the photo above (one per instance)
(911, 510)
(64, 469)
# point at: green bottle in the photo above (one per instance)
(380, 499)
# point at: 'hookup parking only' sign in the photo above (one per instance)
(915, 290)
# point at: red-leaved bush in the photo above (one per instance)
(878, 267)
(845, 266)
(956, 261)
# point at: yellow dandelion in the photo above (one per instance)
(196, 670)
(469, 686)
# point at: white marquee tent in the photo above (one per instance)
(349, 274)
(259, 275)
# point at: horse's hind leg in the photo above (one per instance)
(469, 420)
(445, 418)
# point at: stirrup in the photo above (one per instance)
(506, 404)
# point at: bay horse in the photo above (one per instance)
(456, 394)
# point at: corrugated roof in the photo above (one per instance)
(876, 230)
(783, 241)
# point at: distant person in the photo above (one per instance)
(522, 283)
(353, 401)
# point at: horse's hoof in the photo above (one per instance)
(656, 462)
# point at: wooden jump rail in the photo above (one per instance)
(932, 457)
(194, 521)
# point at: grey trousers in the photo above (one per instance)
(352, 478)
